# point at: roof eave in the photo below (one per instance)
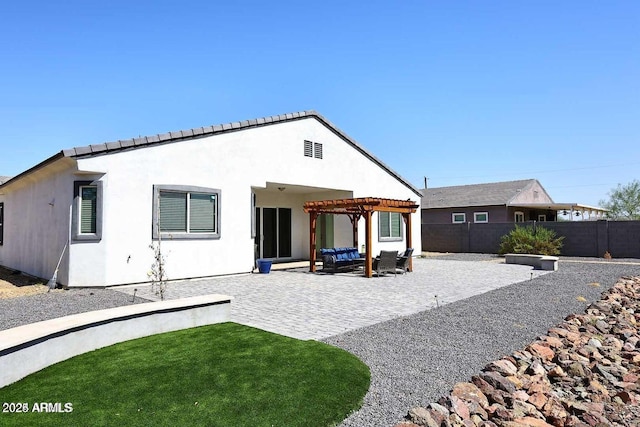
(33, 169)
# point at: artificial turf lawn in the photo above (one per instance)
(218, 375)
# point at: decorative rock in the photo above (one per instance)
(439, 408)
(542, 351)
(459, 407)
(471, 393)
(554, 342)
(584, 373)
(556, 372)
(554, 411)
(536, 368)
(422, 417)
(522, 409)
(503, 367)
(595, 343)
(491, 393)
(538, 400)
(530, 422)
(498, 381)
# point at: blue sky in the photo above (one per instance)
(460, 91)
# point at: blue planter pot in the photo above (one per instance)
(264, 266)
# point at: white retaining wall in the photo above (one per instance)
(30, 348)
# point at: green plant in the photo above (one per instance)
(531, 240)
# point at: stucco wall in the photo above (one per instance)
(235, 163)
(36, 221)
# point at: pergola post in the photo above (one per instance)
(407, 222)
(368, 267)
(313, 217)
(354, 226)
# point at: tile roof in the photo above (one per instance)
(490, 194)
(141, 142)
(4, 179)
(125, 144)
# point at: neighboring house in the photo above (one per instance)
(217, 197)
(511, 201)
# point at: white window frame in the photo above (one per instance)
(542, 218)
(453, 217)
(76, 211)
(187, 190)
(390, 237)
(518, 214)
(476, 214)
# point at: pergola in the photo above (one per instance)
(356, 209)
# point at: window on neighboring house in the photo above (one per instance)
(389, 226)
(313, 149)
(186, 212)
(542, 218)
(1, 223)
(519, 216)
(480, 217)
(457, 218)
(86, 215)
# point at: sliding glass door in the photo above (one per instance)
(273, 232)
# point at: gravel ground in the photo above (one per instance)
(57, 303)
(416, 359)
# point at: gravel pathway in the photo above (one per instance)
(416, 359)
(57, 303)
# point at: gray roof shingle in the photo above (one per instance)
(490, 194)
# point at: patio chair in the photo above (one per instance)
(402, 262)
(385, 262)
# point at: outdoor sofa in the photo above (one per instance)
(338, 259)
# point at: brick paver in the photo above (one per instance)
(306, 305)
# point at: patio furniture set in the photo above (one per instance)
(336, 260)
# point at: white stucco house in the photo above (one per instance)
(219, 196)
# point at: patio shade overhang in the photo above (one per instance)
(355, 209)
(570, 207)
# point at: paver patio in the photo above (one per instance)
(306, 305)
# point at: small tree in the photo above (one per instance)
(624, 201)
(530, 240)
(158, 274)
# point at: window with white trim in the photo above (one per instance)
(1, 223)
(389, 226)
(86, 215)
(458, 218)
(481, 217)
(542, 218)
(519, 216)
(186, 212)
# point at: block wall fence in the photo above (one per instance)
(581, 238)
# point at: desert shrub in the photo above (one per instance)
(530, 240)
